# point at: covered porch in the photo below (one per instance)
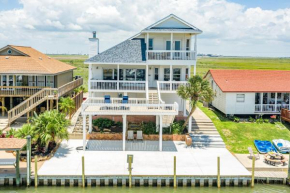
(97, 106)
(271, 102)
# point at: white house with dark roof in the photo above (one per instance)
(148, 68)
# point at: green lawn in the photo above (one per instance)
(239, 136)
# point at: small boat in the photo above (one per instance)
(264, 146)
(283, 146)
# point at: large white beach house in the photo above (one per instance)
(140, 76)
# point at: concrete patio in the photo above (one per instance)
(104, 159)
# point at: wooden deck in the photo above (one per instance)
(19, 91)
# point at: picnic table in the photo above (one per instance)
(275, 158)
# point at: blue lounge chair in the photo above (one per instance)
(125, 99)
(107, 99)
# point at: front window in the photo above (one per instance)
(50, 81)
(187, 44)
(121, 74)
(19, 80)
(166, 74)
(10, 80)
(130, 74)
(240, 98)
(176, 74)
(168, 45)
(140, 76)
(4, 80)
(109, 74)
(150, 44)
(156, 77)
(186, 74)
(40, 81)
(31, 81)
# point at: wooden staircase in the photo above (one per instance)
(153, 97)
(41, 96)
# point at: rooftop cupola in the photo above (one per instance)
(94, 45)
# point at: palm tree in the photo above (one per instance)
(67, 105)
(50, 126)
(197, 89)
(26, 129)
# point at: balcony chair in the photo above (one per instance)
(107, 98)
(125, 101)
(139, 135)
(130, 136)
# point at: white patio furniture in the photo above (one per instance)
(130, 135)
(257, 156)
(139, 135)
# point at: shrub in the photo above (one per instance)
(236, 119)
(149, 128)
(251, 119)
(266, 120)
(260, 120)
(11, 133)
(167, 130)
(177, 128)
(119, 124)
(103, 123)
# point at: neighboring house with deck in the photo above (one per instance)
(250, 92)
(28, 78)
(148, 68)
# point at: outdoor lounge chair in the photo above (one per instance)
(130, 135)
(107, 98)
(257, 156)
(139, 135)
(125, 99)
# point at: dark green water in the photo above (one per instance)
(258, 188)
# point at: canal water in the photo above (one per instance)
(258, 188)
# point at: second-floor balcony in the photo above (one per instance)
(120, 86)
(170, 55)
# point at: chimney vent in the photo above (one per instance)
(94, 45)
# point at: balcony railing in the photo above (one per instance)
(114, 85)
(170, 55)
(135, 106)
(268, 108)
(19, 90)
(170, 85)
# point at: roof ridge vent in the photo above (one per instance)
(40, 58)
(7, 57)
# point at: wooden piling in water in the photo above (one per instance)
(35, 172)
(28, 160)
(83, 171)
(130, 171)
(17, 168)
(174, 173)
(218, 173)
(253, 172)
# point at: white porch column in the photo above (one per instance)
(118, 76)
(189, 123)
(146, 84)
(171, 45)
(84, 133)
(157, 123)
(171, 76)
(160, 134)
(124, 131)
(90, 123)
(261, 101)
(275, 101)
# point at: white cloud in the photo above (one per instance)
(65, 25)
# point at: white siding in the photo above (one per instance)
(234, 107)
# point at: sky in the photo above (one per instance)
(230, 27)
